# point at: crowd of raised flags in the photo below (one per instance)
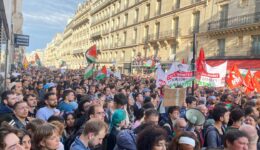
(206, 75)
(180, 74)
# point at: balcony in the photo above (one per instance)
(247, 22)
(103, 4)
(165, 35)
(234, 53)
(77, 51)
(96, 35)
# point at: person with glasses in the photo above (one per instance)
(96, 111)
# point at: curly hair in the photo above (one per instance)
(150, 136)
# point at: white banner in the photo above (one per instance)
(215, 76)
(160, 77)
(179, 75)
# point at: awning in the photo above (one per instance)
(252, 64)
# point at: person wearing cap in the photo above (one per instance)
(118, 121)
(185, 141)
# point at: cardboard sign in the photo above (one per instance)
(174, 97)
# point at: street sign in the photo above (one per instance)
(21, 40)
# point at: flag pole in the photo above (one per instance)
(193, 61)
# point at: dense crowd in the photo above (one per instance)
(49, 110)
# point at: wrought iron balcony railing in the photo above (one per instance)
(234, 21)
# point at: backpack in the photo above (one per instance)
(210, 129)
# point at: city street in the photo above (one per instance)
(130, 74)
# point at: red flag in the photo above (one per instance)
(104, 70)
(256, 81)
(201, 63)
(248, 82)
(183, 61)
(234, 78)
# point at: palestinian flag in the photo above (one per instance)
(37, 60)
(91, 54)
(102, 74)
(89, 71)
(149, 63)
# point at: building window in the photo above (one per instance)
(135, 36)
(177, 4)
(133, 53)
(195, 1)
(256, 45)
(126, 3)
(118, 22)
(173, 48)
(158, 7)
(157, 30)
(146, 32)
(136, 15)
(224, 16)
(125, 37)
(113, 23)
(176, 26)
(147, 12)
(123, 55)
(221, 47)
(119, 5)
(126, 20)
(196, 22)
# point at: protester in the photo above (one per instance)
(46, 137)
(25, 139)
(236, 119)
(70, 121)
(214, 136)
(152, 138)
(236, 140)
(32, 104)
(129, 105)
(8, 101)
(252, 136)
(21, 112)
(50, 108)
(67, 104)
(170, 122)
(92, 135)
(118, 122)
(185, 141)
(9, 138)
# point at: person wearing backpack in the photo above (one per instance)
(214, 137)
